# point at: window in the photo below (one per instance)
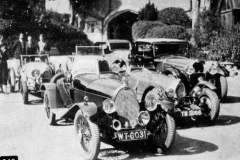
(91, 27)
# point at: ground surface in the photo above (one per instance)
(24, 132)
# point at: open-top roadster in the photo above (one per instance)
(105, 109)
(169, 56)
(197, 100)
(35, 70)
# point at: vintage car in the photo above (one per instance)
(105, 109)
(116, 51)
(35, 70)
(167, 55)
(191, 103)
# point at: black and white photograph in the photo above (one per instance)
(119, 79)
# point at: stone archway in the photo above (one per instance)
(119, 25)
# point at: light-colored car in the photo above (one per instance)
(195, 101)
(35, 70)
(104, 108)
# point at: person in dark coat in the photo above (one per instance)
(19, 47)
(3, 68)
(30, 46)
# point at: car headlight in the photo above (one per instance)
(190, 70)
(143, 118)
(150, 102)
(115, 68)
(35, 73)
(180, 91)
(213, 70)
(109, 106)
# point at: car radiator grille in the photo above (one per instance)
(127, 104)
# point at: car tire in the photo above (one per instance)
(213, 104)
(56, 77)
(50, 115)
(169, 127)
(12, 80)
(24, 91)
(222, 87)
(91, 151)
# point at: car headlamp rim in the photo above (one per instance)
(151, 102)
(109, 106)
(143, 118)
(35, 73)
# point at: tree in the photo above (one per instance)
(148, 13)
(208, 23)
(174, 16)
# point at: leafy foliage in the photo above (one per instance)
(207, 25)
(148, 13)
(172, 31)
(141, 28)
(174, 16)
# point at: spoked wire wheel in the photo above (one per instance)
(50, 115)
(212, 105)
(87, 136)
(164, 134)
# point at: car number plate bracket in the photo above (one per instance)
(191, 113)
(131, 135)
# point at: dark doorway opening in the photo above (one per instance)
(121, 26)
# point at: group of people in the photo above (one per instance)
(20, 47)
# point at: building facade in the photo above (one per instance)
(117, 16)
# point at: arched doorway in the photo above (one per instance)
(120, 27)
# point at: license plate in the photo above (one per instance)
(131, 135)
(191, 113)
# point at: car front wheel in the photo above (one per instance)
(88, 138)
(163, 135)
(50, 115)
(222, 86)
(24, 91)
(212, 105)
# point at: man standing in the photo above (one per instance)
(30, 47)
(19, 47)
(3, 68)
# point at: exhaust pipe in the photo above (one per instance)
(116, 125)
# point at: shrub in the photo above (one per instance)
(140, 28)
(174, 16)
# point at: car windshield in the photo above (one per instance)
(84, 66)
(89, 50)
(119, 45)
(170, 48)
(34, 58)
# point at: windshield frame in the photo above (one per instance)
(176, 43)
(100, 47)
(34, 55)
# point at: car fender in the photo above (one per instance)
(54, 98)
(209, 85)
(46, 86)
(172, 71)
(88, 108)
(166, 104)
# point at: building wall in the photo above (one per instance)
(97, 29)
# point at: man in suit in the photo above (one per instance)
(30, 46)
(19, 47)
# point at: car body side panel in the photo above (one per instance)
(100, 89)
